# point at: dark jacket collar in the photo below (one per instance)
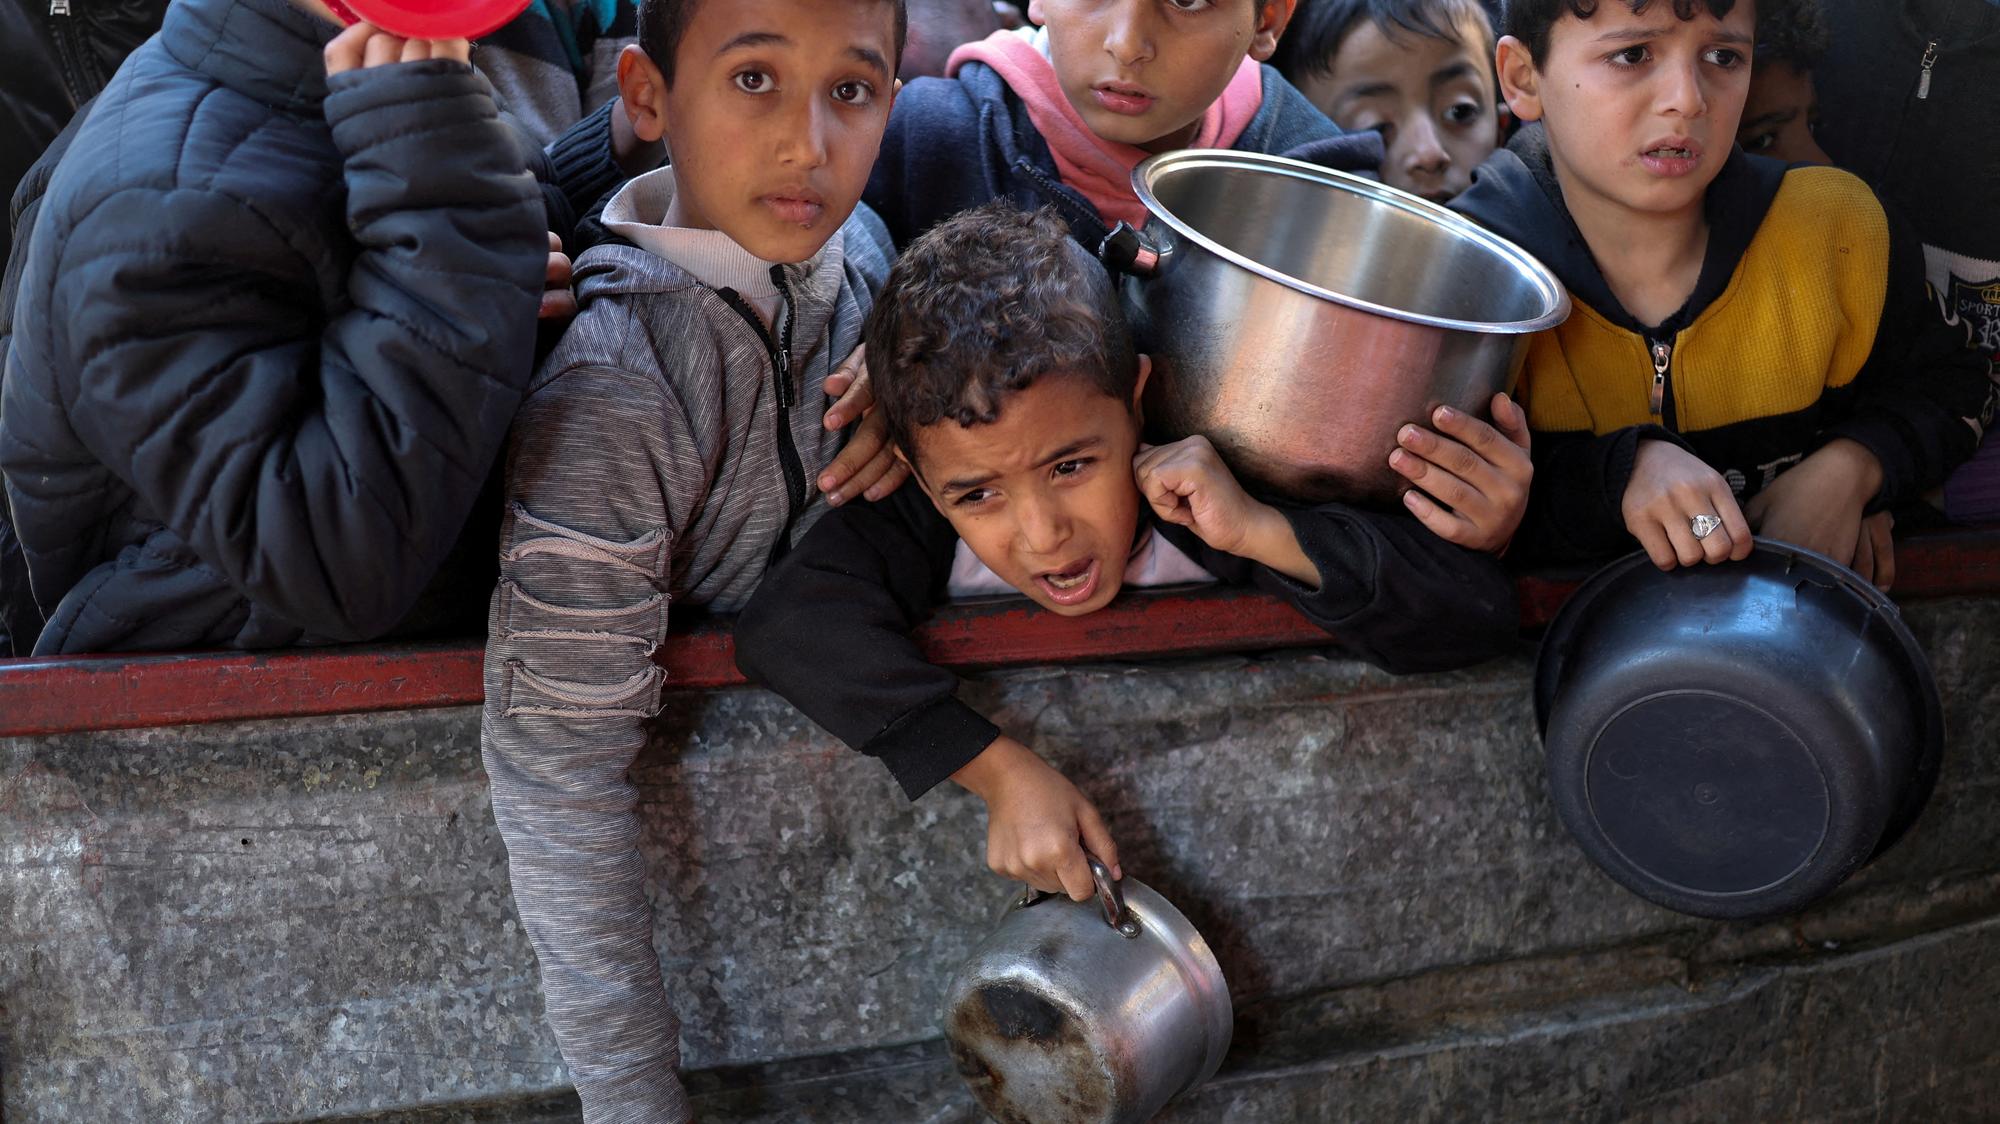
(269, 50)
(1284, 121)
(1516, 195)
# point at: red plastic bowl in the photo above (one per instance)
(438, 19)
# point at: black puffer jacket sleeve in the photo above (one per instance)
(830, 630)
(323, 466)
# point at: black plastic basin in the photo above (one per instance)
(1733, 741)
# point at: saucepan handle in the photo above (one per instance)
(1111, 898)
(1125, 250)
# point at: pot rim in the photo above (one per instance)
(1544, 281)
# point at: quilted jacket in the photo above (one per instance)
(271, 330)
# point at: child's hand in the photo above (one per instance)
(867, 466)
(1669, 487)
(1187, 483)
(1875, 550)
(558, 303)
(1037, 824)
(364, 45)
(1482, 477)
(1817, 504)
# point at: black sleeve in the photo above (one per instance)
(1575, 505)
(1924, 395)
(324, 465)
(581, 167)
(1390, 591)
(830, 630)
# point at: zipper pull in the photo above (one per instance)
(1663, 356)
(781, 357)
(1923, 80)
(59, 7)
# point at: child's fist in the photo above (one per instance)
(364, 45)
(1187, 483)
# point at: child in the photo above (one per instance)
(1781, 110)
(1908, 93)
(1419, 72)
(1013, 391)
(1751, 346)
(662, 456)
(276, 310)
(1060, 113)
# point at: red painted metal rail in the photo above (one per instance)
(81, 693)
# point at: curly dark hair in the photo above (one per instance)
(663, 22)
(1530, 20)
(982, 305)
(1319, 27)
(1792, 31)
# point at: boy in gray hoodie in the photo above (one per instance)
(667, 451)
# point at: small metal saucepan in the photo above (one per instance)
(1300, 316)
(1087, 1012)
(1733, 741)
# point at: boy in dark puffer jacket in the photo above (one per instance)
(276, 313)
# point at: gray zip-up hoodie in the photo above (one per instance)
(658, 457)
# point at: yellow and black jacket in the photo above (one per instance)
(1811, 320)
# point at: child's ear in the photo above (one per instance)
(644, 91)
(1272, 16)
(1520, 84)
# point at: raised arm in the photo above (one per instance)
(324, 466)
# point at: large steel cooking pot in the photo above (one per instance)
(1299, 316)
(1087, 1012)
(1733, 741)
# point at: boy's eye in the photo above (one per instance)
(972, 498)
(854, 93)
(753, 81)
(1463, 113)
(1762, 142)
(1630, 56)
(1072, 467)
(1189, 5)
(1725, 57)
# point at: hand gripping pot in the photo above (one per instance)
(1298, 316)
(1733, 741)
(1087, 1012)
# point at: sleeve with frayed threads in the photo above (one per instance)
(586, 552)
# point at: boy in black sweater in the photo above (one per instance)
(1012, 389)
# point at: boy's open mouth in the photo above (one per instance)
(1071, 585)
(1671, 156)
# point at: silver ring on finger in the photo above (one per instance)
(1704, 525)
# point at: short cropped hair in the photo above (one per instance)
(1530, 20)
(1792, 31)
(663, 22)
(1319, 27)
(982, 305)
